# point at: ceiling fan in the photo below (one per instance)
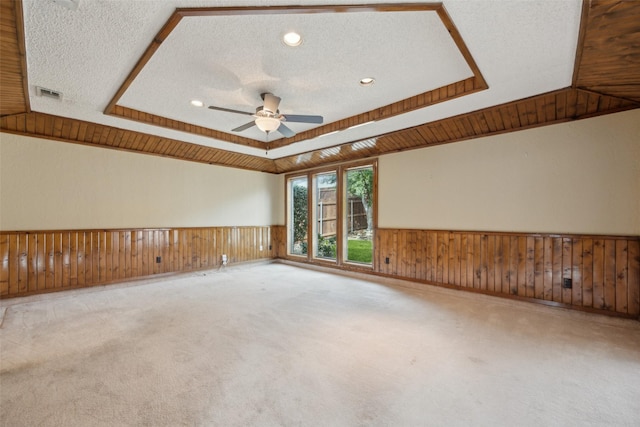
(268, 118)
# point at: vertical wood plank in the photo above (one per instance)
(73, 259)
(134, 253)
(477, 261)
(598, 274)
(127, 254)
(530, 267)
(23, 263)
(557, 269)
(538, 268)
(490, 262)
(102, 256)
(14, 264)
(88, 259)
(402, 253)
(81, 259)
(513, 265)
(4, 266)
(497, 264)
(587, 273)
(430, 269)
(484, 249)
(41, 261)
(115, 255)
(444, 255)
(610, 274)
(547, 279)
(57, 260)
(145, 252)
(420, 255)
(576, 272)
(95, 255)
(108, 264)
(454, 263)
(122, 255)
(622, 274)
(567, 260)
(32, 267)
(463, 259)
(634, 277)
(506, 264)
(522, 266)
(66, 259)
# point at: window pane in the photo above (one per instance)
(298, 216)
(358, 222)
(325, 215)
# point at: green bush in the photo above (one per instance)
(327, 246)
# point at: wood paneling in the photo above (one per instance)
(13, 63)
(609, 57)
(43, 261)
(604, 270)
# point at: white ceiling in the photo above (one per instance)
(522, 48)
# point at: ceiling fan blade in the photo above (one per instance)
(244, 127)
(285, 131)
(271, 102)
(297, 118)
(228, 110)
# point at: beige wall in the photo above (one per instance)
(53, 185)
(578, 177)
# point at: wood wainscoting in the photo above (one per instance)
(36, 262)
(603, 272)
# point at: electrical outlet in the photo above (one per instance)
(567, 283)
(158, 259)
(260, 247)
(224, 259)
(386, 260)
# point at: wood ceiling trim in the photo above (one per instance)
(40, 125)
(461, 88)
(541, 110)
(14, 85)
(584, 19)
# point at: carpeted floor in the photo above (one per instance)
(273, 344)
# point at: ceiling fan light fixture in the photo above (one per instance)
(267, 124)
(292, 39)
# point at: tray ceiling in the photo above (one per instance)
(228, 59)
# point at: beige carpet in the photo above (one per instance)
(274, 344)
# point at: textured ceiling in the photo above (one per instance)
(522, 48)
(231, 60)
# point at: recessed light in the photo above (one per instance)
(197, 103)
(292, 39)
(367, 81)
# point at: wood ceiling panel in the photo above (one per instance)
(609, 61)
(13, 65)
